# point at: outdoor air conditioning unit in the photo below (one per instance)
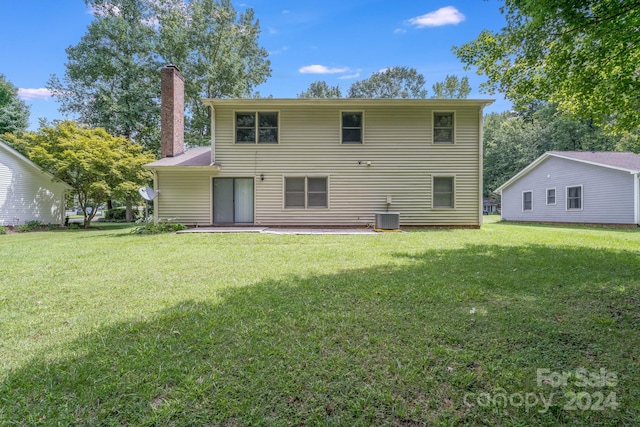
(387, 221)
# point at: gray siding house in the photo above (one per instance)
(575, 187)
(322, 162)
(27, 193)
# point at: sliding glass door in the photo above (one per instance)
(233, 200)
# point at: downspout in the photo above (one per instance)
(213, 134)
(155, 199)
(636, 198)
(480, 164)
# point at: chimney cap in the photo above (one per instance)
(172, 66)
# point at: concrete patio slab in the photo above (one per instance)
(278, 230)
(223, 230)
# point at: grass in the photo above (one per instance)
(437, 327)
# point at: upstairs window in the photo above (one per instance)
(574, 198)
(352, 128)
(443, 128)
(252, 128)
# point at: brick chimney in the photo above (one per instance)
(171, 112)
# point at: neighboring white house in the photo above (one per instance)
(319, 162)
(575, 187)
(27, 193)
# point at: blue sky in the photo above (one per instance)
(339, 41)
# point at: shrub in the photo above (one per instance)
(29, 226)
(3, 229)
(115, 214)
(118, 214)
(160, 227)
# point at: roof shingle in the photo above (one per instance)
(198, 156)
(622, 160)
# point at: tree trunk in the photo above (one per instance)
(87, 218)
(129, 210)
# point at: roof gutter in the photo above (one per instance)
(636, 198)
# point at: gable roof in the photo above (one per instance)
(32, 165)
(624, 161)
(617, 160)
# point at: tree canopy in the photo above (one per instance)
(394, 82)
(14, 113)
(582, 55)
(452, 88)
(97, 165)
(320, 89)
(112, 76)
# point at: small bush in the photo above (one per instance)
(29, 226)
(160, 227)
(3, 229)
(116, 214)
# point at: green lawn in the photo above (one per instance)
(436, 327)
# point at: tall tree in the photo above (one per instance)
(14, 113)
(452, 88)
(112, 77)
(320, 89)
(97, 165)
(217, 51)
(510, 144)
(395, 82)
(582, 55)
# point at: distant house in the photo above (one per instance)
(575, 187)
(332, 162)
(27, 193)
(489, 206)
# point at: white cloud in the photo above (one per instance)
(31, 94)
(285, 12)
(350, 76)
(399, 31)
(283, 49)
(321, 69)
(448, 15)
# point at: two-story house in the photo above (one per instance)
(322, 162)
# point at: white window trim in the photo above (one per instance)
(547, 196)
(256, 112)
(361, 128)
(566, 198)
(305, 208)
(455, 192)
(433, 127)
(522, 201)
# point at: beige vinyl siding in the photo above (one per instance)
(184, 197)
(398, 143)
(27, 193)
